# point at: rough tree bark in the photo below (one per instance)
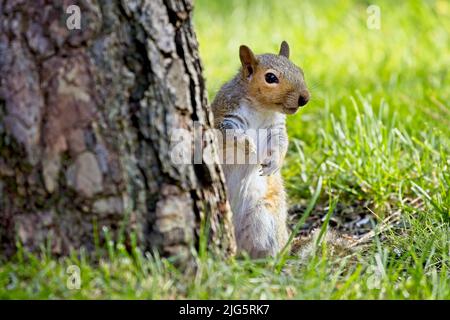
(85, 121)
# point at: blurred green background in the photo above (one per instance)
(406, 62)
(401, 68)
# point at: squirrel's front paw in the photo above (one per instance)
(270, 165)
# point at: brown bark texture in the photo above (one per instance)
(85, 122)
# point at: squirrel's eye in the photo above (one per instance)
(271, 78)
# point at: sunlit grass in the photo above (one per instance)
(376, 131)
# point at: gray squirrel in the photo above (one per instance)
(266, 89)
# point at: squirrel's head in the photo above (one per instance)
(273, 81)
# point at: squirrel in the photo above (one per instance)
(250, 112)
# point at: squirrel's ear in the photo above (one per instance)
(284, 49)
(248, 60)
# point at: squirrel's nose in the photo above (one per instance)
(303, 99)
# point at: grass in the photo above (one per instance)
(376, 131)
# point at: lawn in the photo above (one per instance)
(372, 143)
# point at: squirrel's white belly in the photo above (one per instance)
(257, 228)
(244, 183)
(245, 188)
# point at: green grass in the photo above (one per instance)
(376, 131)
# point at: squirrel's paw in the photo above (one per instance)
(269, 166)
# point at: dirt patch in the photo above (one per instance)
(353, 220)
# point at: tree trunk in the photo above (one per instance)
(86, 118)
